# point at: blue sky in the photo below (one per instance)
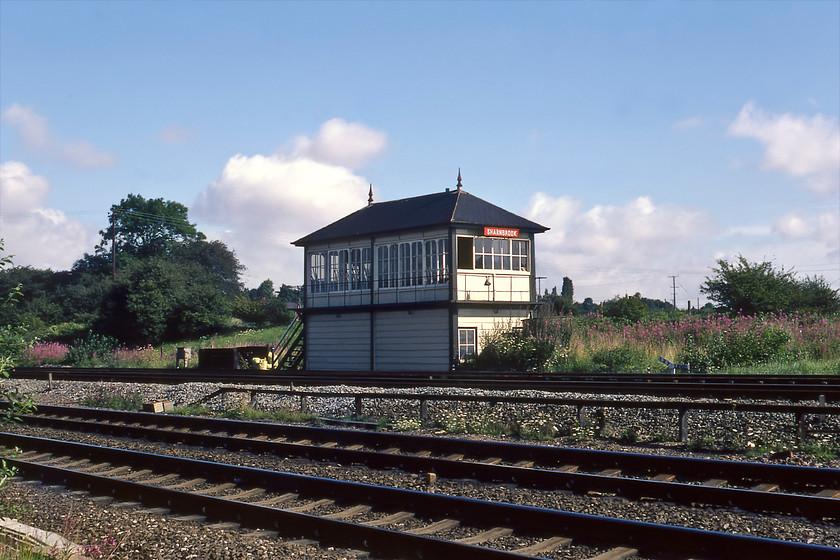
(651, 137)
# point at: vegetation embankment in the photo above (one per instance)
(778, 343)
(95, 350)
(766, 321)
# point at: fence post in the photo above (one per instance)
(683, 423)
(581, 414)
(802, 427)
(424, 409)
(304, 404)
(49, 381)
(359, 407)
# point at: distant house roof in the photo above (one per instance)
(451, 208)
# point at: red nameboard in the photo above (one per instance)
(500, 232)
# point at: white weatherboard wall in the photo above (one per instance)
(338, 342)
(412, 341)
(488, 321)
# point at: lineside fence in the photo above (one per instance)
(799, 412)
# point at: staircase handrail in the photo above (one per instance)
(286, 341)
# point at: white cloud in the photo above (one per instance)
(613, 250)
(793, 225)
(37, 236)
(800, 146)
(260, 204)
(34, 129)
(20, 189)
(84, 156)
(341, 143)
(692, 122)
(173, 134)
(35, 134)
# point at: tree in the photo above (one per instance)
(816, 294)
(155, 300)
(748, 288)
(147, 228)
(567, 292)
(288, 293)
(264, 291)
(628, 308)
(559, 304)
(216, 259)
(11, 342)
(262, 307)
(588, 306)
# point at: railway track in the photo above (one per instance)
(783, 387)
(793, 490)
(384, 521)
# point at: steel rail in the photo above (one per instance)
(792, 379)
(810, 506)
(714, 385)
(646, 537)
(515, 399)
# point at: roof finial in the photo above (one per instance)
(459, 179)
(370, 195)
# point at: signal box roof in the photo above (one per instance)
(450, 208)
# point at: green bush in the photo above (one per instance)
(515, 351)
(619, 359)
(114, 398)
(263, 312)
(735, 348)
(93, 349)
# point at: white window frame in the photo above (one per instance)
(467, 342)
(317, 272)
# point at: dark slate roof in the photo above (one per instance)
(450, 208)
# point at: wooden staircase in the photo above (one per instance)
(288, 353)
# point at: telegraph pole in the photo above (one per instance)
(674, 289)
(113, 247)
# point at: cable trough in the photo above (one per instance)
(794, 490)
(289, 504)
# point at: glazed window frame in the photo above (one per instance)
(495, 253)
(467, 343)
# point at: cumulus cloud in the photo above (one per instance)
(35, 135)
(605, 249)
(173, 134)
(38, 236)
(260, 204)
(341, 143)
(793, 225)
(612, 250)
(34, 130)
(84, 156)
(804, 147)
(692, 122)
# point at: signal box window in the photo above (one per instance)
(465, 253)
(466, 342)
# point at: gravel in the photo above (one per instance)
(146, 534)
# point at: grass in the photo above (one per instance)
(802, 367)
(247, 413)
(110, 396)
(770, 344)
(12, 551)
(162, 356)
